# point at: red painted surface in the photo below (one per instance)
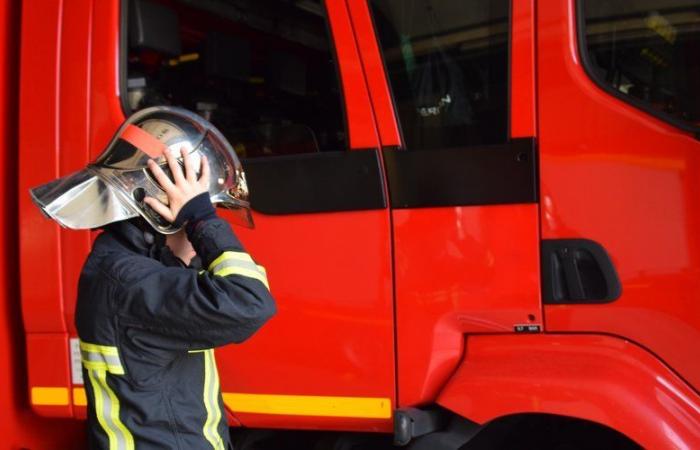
(105, 108)
(462, 269)
(522, 84)
(42, 304)
(49, 367)
(19, 426)
(362, 131)
(373, 64)
(333, 333)
(598, 378)
(40, 239)
(631, 186)
(459, 270)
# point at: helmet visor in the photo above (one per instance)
(82, 200)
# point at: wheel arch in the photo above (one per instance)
(598, 378)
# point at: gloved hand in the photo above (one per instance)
(183, 190)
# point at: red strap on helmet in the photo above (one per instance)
(143, 141)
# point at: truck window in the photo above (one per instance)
(646, 52)
(262, 71)
(447, 63)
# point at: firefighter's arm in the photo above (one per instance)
(226, 303)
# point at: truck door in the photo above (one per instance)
(462, 174)
(619, 105)
(283, 81)
(270, 79)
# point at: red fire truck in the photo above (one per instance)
(480, 219)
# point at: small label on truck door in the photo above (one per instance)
(528, 328)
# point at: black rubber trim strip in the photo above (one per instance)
(123, 55)
(316, 182)
(602, 84)
(486, 175)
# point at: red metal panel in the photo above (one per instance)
(459, 271)
(19, 424)
(599, 378)
(522, 79)
(618, 176)
(74, 134)
(42, 306)
(374, 71)
(333, 333)
(106, 112)
(360, 119)
(49, 369)
(54, 133)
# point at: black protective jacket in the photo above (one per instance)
(147, 327)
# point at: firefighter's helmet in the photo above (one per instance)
(112, 187)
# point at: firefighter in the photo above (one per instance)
(166, 282)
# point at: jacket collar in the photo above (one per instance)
(138, 236)
(132, 235)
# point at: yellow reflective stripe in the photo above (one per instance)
(215, 398)
(98, 360)
(307, 405)
(107, 412)
(101, 365)
(52, 396)
(114, 412)
(102, 349)
(240, 256)
(238, 263)
(244, 272)
(211, 401)
(101, 357)
(99, 409)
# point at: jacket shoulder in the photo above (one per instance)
(110, 258)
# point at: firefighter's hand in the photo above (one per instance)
(182, 188)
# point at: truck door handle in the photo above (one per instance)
(577, 271)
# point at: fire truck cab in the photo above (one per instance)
(478, 218)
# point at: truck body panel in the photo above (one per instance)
(422, 281)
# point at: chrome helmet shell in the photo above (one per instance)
(112, 187)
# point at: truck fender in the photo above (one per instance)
(600, 378)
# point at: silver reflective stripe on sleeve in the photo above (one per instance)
(238, 263)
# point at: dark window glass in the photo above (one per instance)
(647, 51)
(262, 71)
(447, 63)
